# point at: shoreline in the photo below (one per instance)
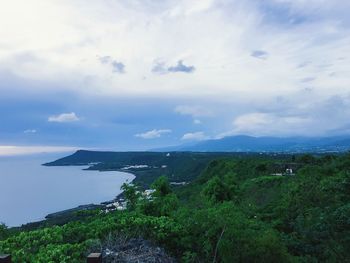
(145, 168)
(60, 216)
(105, 205)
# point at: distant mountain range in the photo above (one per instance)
(243, 143)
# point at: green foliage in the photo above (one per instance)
(162, 202)
(220, 181)
(70, 242)
(217, 190)
(163, 206)
(237, 210)
(180, 166)
(307, 159)
(223, 232)
(161, 187)
(3, 231)
(131, 194)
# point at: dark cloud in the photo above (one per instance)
(117, 66)
(260, 54)
(308, 89)
(180, 67)
(304, 64)
(161, 68)
(306, 80)
(105, 59)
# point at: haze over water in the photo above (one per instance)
(30, 191)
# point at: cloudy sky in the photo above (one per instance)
(140, 74)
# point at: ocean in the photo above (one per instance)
(30, 191)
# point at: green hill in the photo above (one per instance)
(242, 208)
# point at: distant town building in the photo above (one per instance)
(289, 171)
(148, 193)
(178, 183)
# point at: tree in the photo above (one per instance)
(131, 195)
(307, 159)
(3, 231)
(163, 201)
(216, 190)
(161, 186)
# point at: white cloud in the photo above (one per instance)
(30, 131)
(252, 121)
(195, 136)
(64, 117)
(7, 150)
(260, 54)
(304, 39)
(218, 38)
(258, 124)
(197, 121)
(194, 111)
(153, 134)
(137, 33)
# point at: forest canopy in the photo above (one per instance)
(236, 210)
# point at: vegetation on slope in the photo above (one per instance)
(235, 211)
(177, 166)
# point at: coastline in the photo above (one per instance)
(50, 193)
(63, 216)
(105, 205)
(145, 168)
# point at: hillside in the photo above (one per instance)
(236, 209)
(147, 166)
(244, 143)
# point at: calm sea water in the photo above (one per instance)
(30, 191)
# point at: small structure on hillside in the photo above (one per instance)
(289, 171)
(178, 183)
(148, 193)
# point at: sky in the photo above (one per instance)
(141, 74)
